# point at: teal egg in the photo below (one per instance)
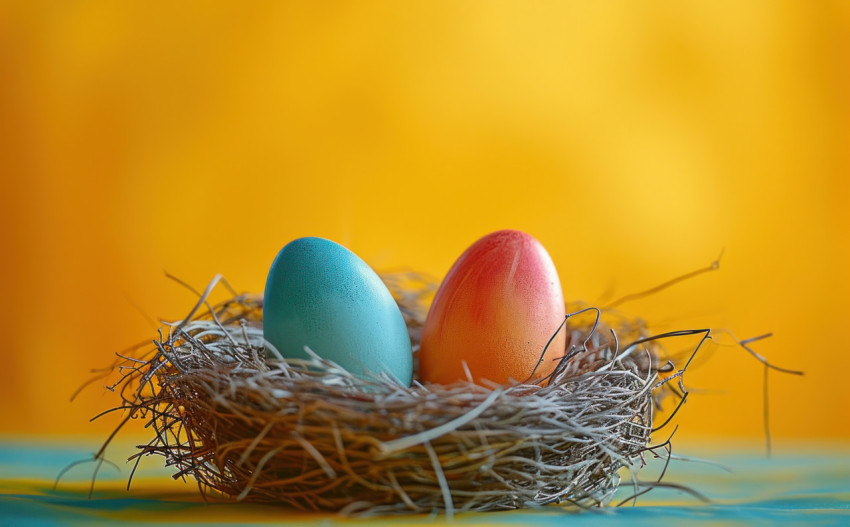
(321, 295)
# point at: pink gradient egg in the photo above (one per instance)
(496, 309)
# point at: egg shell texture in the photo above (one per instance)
(322, 295)
(496, 309)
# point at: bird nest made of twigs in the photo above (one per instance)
(310, 434)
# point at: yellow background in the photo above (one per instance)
(635, 140)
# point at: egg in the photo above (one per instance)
(496, 309)
(321, 295)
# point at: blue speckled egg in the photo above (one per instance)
(321, 295)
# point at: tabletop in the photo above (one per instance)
(806, 483)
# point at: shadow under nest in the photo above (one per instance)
(309, 434)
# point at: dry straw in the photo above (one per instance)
(309, 434)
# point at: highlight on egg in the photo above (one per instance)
(496, 310)
(321, 295)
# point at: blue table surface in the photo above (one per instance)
(805, 484)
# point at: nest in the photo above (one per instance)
(309, 434)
